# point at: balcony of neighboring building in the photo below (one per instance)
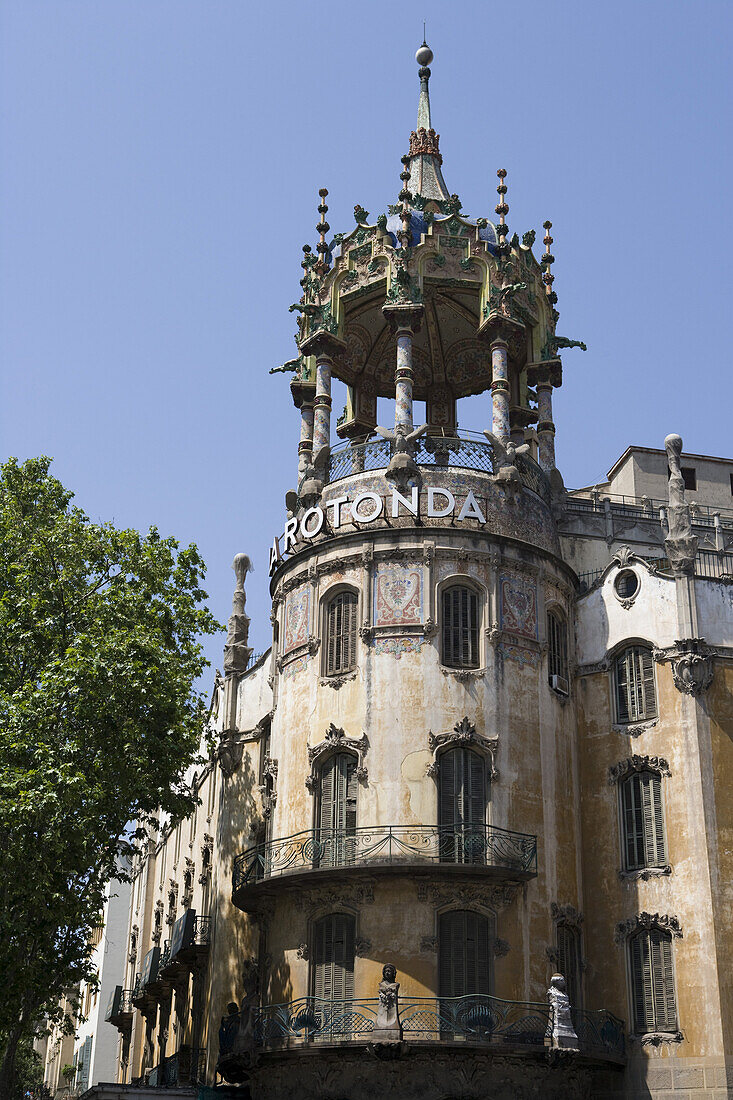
(329, 854)
(189, 942)
(120, 1008)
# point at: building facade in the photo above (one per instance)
(490, 743)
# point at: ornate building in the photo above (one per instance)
(490, 742)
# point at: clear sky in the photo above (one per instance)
(159, 175)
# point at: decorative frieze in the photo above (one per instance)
(635, 730)
(337, 682)
(462, 734)
(645, 922)
(637, 764)
(566, 914)
(335, 740)
(351, 895)
(645, 873)
(488, 897)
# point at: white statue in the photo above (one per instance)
(563, 1033)
(402, 465)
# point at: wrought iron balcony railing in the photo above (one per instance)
(119, 1006)
(389, 845)
(478, 1018)
(463, 450)
(202, 932)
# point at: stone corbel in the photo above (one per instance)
(693, 670)
(635, 730)
(430, 628)
(337, 682)
(334, 740)
(646, 921)
(637, 764)
(493, 634)
(463, 733)
(366, 632)
(464, 675)
(645, 873)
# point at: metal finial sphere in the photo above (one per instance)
(424, 55)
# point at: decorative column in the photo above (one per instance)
(404, 319)
(305, 446)
(500, 390)
(325, 346)
(545, 426)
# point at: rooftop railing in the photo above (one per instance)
(388, 845)
(478, 1018)
(702, 514)
(464, 450)
(710, 564)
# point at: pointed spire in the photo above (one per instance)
(425, 158)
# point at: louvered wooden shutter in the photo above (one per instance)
(333, 963)
(460, 627)
(653, 982)
(635, 692)
(448, 808)
(660, 846)
(557, 637)
(622, 688)
(341, 633)
(568, 961)
(633, 823)
(474, 789)
(464, 954)
(641, 982)
(647, 672)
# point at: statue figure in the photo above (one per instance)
(563, 1033)
(500, 296)
(387, 1026)
(228, 1029)
(236, 650)
(289, 367)
(402, 466)
(505, 456)
(680, 543)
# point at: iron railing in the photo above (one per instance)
(202, 932)
(710, 564)
(463, 450)
(185, 1067)
(478, 1018)
(701, 514)
(119, 1004)
(477, 845)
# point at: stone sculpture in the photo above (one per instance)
(505, 456)
(387, 1027)
(562, 1033)
(236, 650)
(402, 466)
(680, 543)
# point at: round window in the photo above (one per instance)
(626, 584)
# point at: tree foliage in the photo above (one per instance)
(99, 719)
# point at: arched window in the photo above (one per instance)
(462, 806)
(341, 633)
(337, 810)
(652, 981)
(460, 607)
(557, 651)
(333, 958)
(642, 821)
(633, 672)
(465, 960)
(569, 960)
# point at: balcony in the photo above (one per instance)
(464, 450)
(476, 1021)
(120, 1008)
(185, 1068)
(189, 941)
(478, 849)
(143, 993)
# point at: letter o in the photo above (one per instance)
(318, 513)
(378, 507)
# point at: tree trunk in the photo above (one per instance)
(7, 1066)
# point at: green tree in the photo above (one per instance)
(99, 720)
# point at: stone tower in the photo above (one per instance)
(421, 770)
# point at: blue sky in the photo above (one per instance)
(160, 173)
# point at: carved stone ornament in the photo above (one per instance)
(566, 914)
(366, 633)
(429, 943)
(229, 751)
(236, 650)
(207, 853)
(268, 789)
(430, 629)
(637, 764)
(645, 873)
(489, 897)
(463, 675)
(362, 947)
(315, 899)
(335, 740)
(646, 921)
(303, 951)
(656, 1038)
(462, 734)
(635, 730)
(337, 682)
(693, 670)
(500, 948)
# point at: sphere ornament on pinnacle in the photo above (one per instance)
(424, 55)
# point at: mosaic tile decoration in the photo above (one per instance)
(398, 646)
(398, 595)
(521, 655)
(519, 606)
(297, 615)
(295, 667)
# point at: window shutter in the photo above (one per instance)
(464, 962)
(670, 1021)
(568, 961)
(633, 823)
(647, 670)
(334, 958)
(622, 689)
(474, 792)
(460, 627)
(448, 803)
(659, 838)
(341, 633)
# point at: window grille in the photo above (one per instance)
(465, 961)
(460, 627)
(652, 982)
(557, 641)
(634, 683)
(333, 958)
(569, 960)
(341, 633)
(643, 821)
